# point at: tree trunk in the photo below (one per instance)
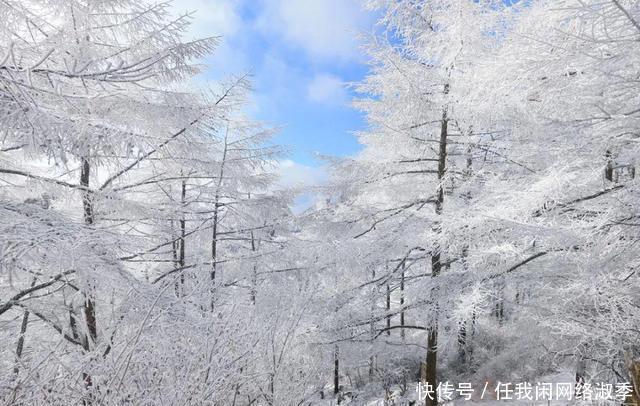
(88, 307)
(462, 326)
(402, 332)
(254, 273)
(336, 370)
(499, 303)
(214, 232)
(23, 331)
(183, 233)
(473, 332)
(20, 346)
(214, 243)
(580, 371)
(634, 372)
(372, 327)
(430, 372)
(436, 264)
(90, 317)
(175, 247)
(462, 341)
(73, 324)
(87, 202)
(432, 350)
(388, 310)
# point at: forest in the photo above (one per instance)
(485, 233)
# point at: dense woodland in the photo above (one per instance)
(486, 232)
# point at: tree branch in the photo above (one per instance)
(14, 300)
(627, 14)
(42, 178)
(147, 155)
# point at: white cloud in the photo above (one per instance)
(211, 17)
(276, 85)
(217, 18)
(296, 175)
(323, 28)
(303, 178)
(327, 89)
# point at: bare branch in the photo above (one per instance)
(14, 300)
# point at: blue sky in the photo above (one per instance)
(302, 53)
